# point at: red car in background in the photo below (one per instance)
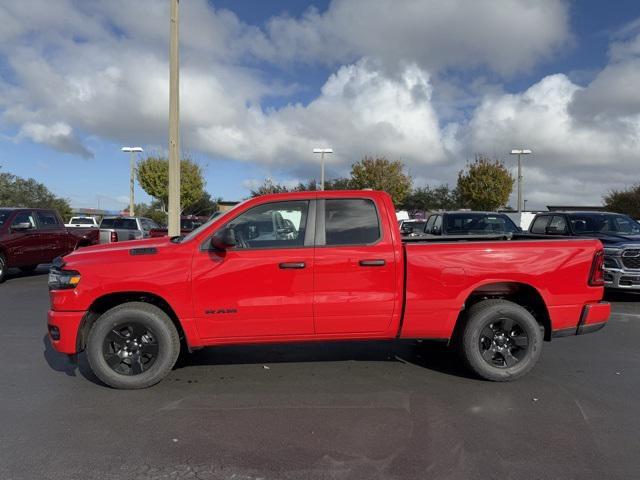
(31, 236)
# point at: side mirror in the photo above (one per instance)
(19, 227)
(436, 231)
(407, 230)
(223, 239)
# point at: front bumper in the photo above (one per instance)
(63, 330)
(622, 279)
(594, 317)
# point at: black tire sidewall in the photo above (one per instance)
(480, 316)
(157, 322)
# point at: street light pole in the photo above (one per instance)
(174, 126)
(322, 151)
(132, 151)
(519, 153)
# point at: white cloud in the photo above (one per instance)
(572, 159)
(58, 136)
(504, 35)
(359, 110)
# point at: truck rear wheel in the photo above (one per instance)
(501, 340)
(133, 345)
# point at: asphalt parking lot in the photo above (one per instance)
(337, 411)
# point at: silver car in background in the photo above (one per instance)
(120, 229)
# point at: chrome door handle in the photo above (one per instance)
(372, 263)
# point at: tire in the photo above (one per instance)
(28, 268)
(132, 346)
(3, 267)
(501, 340)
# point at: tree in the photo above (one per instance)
(624, 201)
(267, 187)
(426, 198)
(20, 192)
(381, 174)
(204, 207)
(153, 211)
(153, 176)
(485, 184)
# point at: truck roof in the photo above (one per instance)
(325, 193)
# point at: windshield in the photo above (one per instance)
(590, 223)
(478, 223)
(3, 217)
(213, 218)
(189, 224)
(82, 220)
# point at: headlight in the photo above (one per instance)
(63, 279)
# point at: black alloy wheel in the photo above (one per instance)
(503, 343)
(133, 345)
(500, 340)
(130, 349)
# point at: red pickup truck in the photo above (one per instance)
(30, 236)
(321, 266)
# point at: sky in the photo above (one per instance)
(429, 82)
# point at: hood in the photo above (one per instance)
(116, 247)
(612, 239)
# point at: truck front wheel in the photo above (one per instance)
(133, 345)
(501, 340)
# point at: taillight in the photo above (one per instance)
(596, 278)
(114, 236)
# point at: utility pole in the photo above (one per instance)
(132, 151)
(322, 151)
(519, 153)
(174, 125)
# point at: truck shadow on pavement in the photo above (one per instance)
(433, 356)
(62, 363)
(430, 355)
(621, 296)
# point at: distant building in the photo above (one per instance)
(225, 206)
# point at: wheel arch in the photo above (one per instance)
(107, 302)
(522, 294)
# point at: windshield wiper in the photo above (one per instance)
(177, 238)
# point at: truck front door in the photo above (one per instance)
(356, 288)
(262, 287)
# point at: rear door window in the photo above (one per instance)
(47, 220)
(352, 221)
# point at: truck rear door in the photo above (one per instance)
(356, 288)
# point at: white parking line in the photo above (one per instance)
(614, 314)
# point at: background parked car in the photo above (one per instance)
(31, 236)
(412, 227)
(83, 222)
(187, 225)
(619, 234)
(470, 223)
(119, 229)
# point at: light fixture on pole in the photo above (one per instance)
(132, 151)
(520, 153)
(322, 151)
